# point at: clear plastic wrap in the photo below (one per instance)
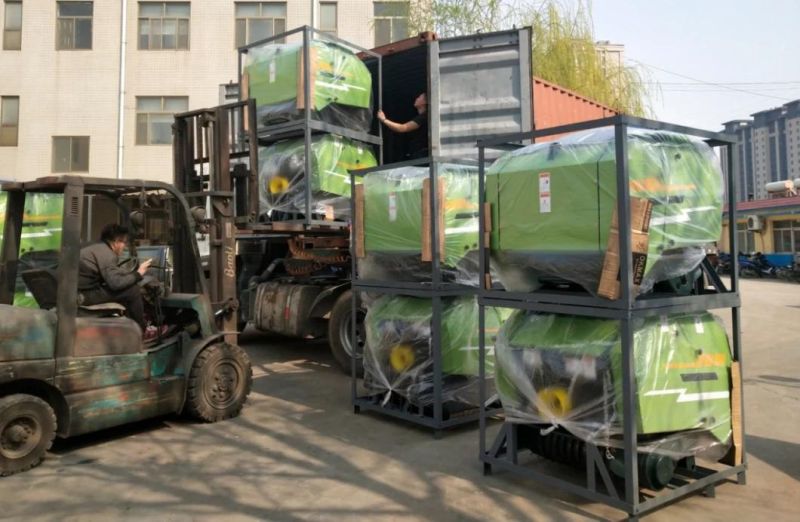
(397, 224)
(341, 85)
(40, 240)
(398, 356)
(566, 371)
(282, 179)
(552, 205)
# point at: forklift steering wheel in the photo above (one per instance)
(131, 264)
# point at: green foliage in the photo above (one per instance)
(563, 44)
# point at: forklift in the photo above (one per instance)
(67, 369)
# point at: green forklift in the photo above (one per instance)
(68, 369)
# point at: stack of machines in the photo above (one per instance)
(611, 362)
(416, 269)
(314, 100)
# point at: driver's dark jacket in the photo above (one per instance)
(99, 268)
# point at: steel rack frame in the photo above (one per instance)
(307, 126)
(504, 451)
(437, 416)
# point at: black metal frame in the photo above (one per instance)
(307, 126)
(504, 451)
(435, 290)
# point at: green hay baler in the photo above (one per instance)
(566, 372)
(341, 85)
(40, 241)
(399, 352)
(552, 203)
(395, 226)
(282, 176)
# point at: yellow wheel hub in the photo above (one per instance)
(555, 401)
(401, 357)
(278, 184)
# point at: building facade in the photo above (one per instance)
(768, 150)
(90, 87)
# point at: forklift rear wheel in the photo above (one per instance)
(340, 333)
(27, 429)
(219, 382)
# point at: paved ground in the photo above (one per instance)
(298, 453)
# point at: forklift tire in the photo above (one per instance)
(219, 383)
(27, 429)
(340, 334)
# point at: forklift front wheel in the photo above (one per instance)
(219, 383)
(27, 429)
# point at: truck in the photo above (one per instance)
(289, 273)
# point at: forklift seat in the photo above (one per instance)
(43, 284)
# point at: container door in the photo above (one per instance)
(478, 85)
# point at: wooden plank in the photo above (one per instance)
(301, 78)
(358, 222)
(610, 286)
(487, 224)
(736, 455)
(425, 205)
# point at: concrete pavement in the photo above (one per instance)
(299, 453)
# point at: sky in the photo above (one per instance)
(744, 45)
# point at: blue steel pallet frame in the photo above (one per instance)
(624, 309)
(435, 290)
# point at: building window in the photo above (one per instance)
(745, 238)
(74, 25)
(154, 118)
(164, 25)
(786, 236)
(258, 20)
(328, 17)
(70, 153)
(12, 28)
(391, 22)
(9, 121)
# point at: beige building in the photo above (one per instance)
(72, 79)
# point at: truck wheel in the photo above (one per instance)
(219, 382)
(340, 333)
(27, 429)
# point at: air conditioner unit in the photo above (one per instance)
(754, 223)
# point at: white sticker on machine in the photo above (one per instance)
(272, 71)
(392, 206)
(544, 193)
(698, 324)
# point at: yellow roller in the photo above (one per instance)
(278, 184)
(401, 357)
(555, 401)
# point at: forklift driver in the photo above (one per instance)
(101, 280)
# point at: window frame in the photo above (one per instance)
(71, 159)
(391, 19)
(73, 19)
(335, 31)
(246, 19)
(783, 227)
(3, 109)
(7, 30)
(147, 114)
(161, 20)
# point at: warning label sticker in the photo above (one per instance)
(544, 193)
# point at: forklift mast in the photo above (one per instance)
(216, 168)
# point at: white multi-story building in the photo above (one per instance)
(768, 149)
(89, 87)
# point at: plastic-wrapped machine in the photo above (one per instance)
(40, 240)
(552, 205)
(563, 374)
(340, 84)
(282, 179)
(397, 224)
(398, 356)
